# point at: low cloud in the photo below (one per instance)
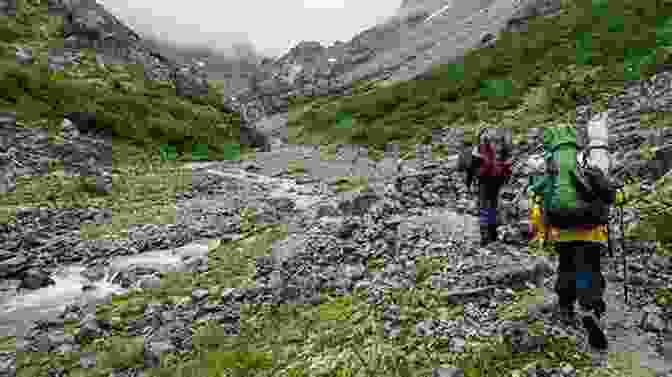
(272, 27)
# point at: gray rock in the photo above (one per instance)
(249, 135)
(89, 328)
(189, 83)
(35, 278)
(457, 345)
(460, 296)
(133, 275)
(83, 121)
(58, 339)
(11, 267)
(7, 364)
(152, 282)
(652, 322)
(358, 204)
(94, 273)
(87, 360)
(154, 350)
(199, 294)
(448, 372)
(8, 8)
(516, 335)
(59, 59)
(424, 328)
(24, 55)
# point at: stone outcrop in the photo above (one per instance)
(88, 25)
(8, 7)
(190, 82)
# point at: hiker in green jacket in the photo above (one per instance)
(576, 214)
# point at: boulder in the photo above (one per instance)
(517, 335)
(190, 83)
(13, 266)
(663, 160)
(60, 58)
(82, 120)
(530, 10)
(8, 173)
(35, 279)
(487, 40)
(91, 26)
(8, 8)
(24, 55)
(357, 204)
(251, 136)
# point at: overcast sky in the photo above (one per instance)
(273, 27)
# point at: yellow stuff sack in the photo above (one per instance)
(537, 221)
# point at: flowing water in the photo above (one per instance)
(72, 285)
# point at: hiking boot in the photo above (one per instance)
(485, 238)
(492, 232)
(596, 336)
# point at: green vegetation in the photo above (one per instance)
(137, 109)
(155, 130)
(655, 210)
(527, 80)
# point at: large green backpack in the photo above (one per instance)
(576, 194)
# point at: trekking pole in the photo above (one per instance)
(625, 257)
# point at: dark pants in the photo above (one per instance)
(469, 179)
(488, 196)
(580, 276)
(471, 167)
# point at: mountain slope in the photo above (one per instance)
(527, 79)
(126, 97)
(134, 97)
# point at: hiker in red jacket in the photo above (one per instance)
(494, 153)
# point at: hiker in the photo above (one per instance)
(494, 167)
(468, 164)
(576, 214)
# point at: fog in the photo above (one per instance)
(272, 27)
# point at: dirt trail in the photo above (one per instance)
(630, 347)
(628, 342)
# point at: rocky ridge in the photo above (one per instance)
(86, 24)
